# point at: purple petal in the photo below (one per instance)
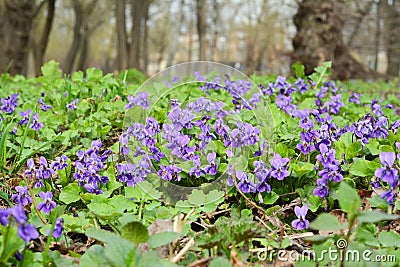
(387, 158)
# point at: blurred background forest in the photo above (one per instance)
(361, 37)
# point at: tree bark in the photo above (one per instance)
(201, 9)
(122, 37)
(319, 38)
(16, 19)
(40, 48)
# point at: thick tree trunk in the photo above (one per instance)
(16, 17)
(40, 48)
(319, 38)
(122, 38)
(201, 9)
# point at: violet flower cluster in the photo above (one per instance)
(89, 167)
(319, 131)
(331, 170)
(141, 99)
(35, 123)
(9, 104)
(39, 172)
(278, 170)
(187, 133)
(44, 170)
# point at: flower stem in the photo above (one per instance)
(34, 201)
(49, 238)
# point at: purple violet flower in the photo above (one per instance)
(245, 184)
(60, 163)
(19, 215)
(58, 228)
(4, 213)
(25, 117)
(197, 170)
(387, 173)
(322, 189)
(72, 105)
(48, 204)
(301, 223)
(22, 197)
(211, 169)
(27, 232)
(124, 139)
(36, 124)
(42, 105)
(279, 167)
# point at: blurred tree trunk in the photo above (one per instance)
(122, 37)
(378, 32)
(132, 48)
(40, 48)
(79, 49)
(362, 12)
(201, 9)
(16, 18)
(83, 48)
(213, 32)
(137, 9)
(145, 36)
(77, 37)
(392, 29)
(256, 42)
(174, 45)
(319, 38)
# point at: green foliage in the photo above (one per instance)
(227, 222)
(162, 239)
(320, 73)
(135, 232)
(354, 236)
(132, 76)
(298, 70)
(118, 251)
